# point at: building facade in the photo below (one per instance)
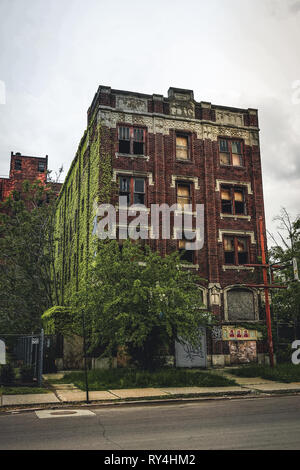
(154, 150)
(24, 168)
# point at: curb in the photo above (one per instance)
(156, 401)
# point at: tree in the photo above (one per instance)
(28, 281)
(286, 303)
(137, 300)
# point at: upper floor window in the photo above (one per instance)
(182, 147)
(231, 152)
(232, 201)
(183, 194)
(41, 167)
(18, 164)
(133, 189)
(236, 250)
(131, 140)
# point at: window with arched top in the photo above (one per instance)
(241, 305)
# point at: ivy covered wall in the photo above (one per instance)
(87, 183)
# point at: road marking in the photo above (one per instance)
(63, 413)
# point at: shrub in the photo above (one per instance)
(7, 374)
(26, 374)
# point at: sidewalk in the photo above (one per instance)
(68, 393)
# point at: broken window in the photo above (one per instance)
(236, 250)
(131, 140)
(133, 189)
(183, 194)
(182, 147)
(230, 152)
(241, 305)
(232, 201)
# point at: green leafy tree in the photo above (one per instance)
(286, 302)
(28, 281)
(137, 300)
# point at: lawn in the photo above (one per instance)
(21, 390)
(134, 378)
(281, 373)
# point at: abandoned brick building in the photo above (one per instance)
(24, 168)
(176, 150)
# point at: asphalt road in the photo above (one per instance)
(268, 423)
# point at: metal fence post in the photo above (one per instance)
(40, 374)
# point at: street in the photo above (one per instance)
(266, 423)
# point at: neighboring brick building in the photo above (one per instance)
(24, 168)
(168, 150)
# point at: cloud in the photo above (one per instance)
(295, 7)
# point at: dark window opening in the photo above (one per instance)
(232, 201)
(18, 164)
(139, 191)
(131, 140)
(133, 189)
(226, 201)
(185, 255)
(41, 167)
(236, 250)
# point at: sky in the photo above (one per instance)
(245, 53)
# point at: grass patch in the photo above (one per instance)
(134, 378)
(280, 373)
(22, 390)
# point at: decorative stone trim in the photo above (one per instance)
(190, 179)
(235, 217)
(161, 123)
(117, 172)
(190, 266)
(236, 232)
(214, 289)
(128, 155)
(237, 268)
(235, 183)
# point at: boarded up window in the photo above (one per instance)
(183, 195)
(240, 305)
(182, 151)
(226, 201)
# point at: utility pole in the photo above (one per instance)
(266, 289)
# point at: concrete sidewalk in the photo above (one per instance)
(69, 393)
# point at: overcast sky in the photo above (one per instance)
(55, 53)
